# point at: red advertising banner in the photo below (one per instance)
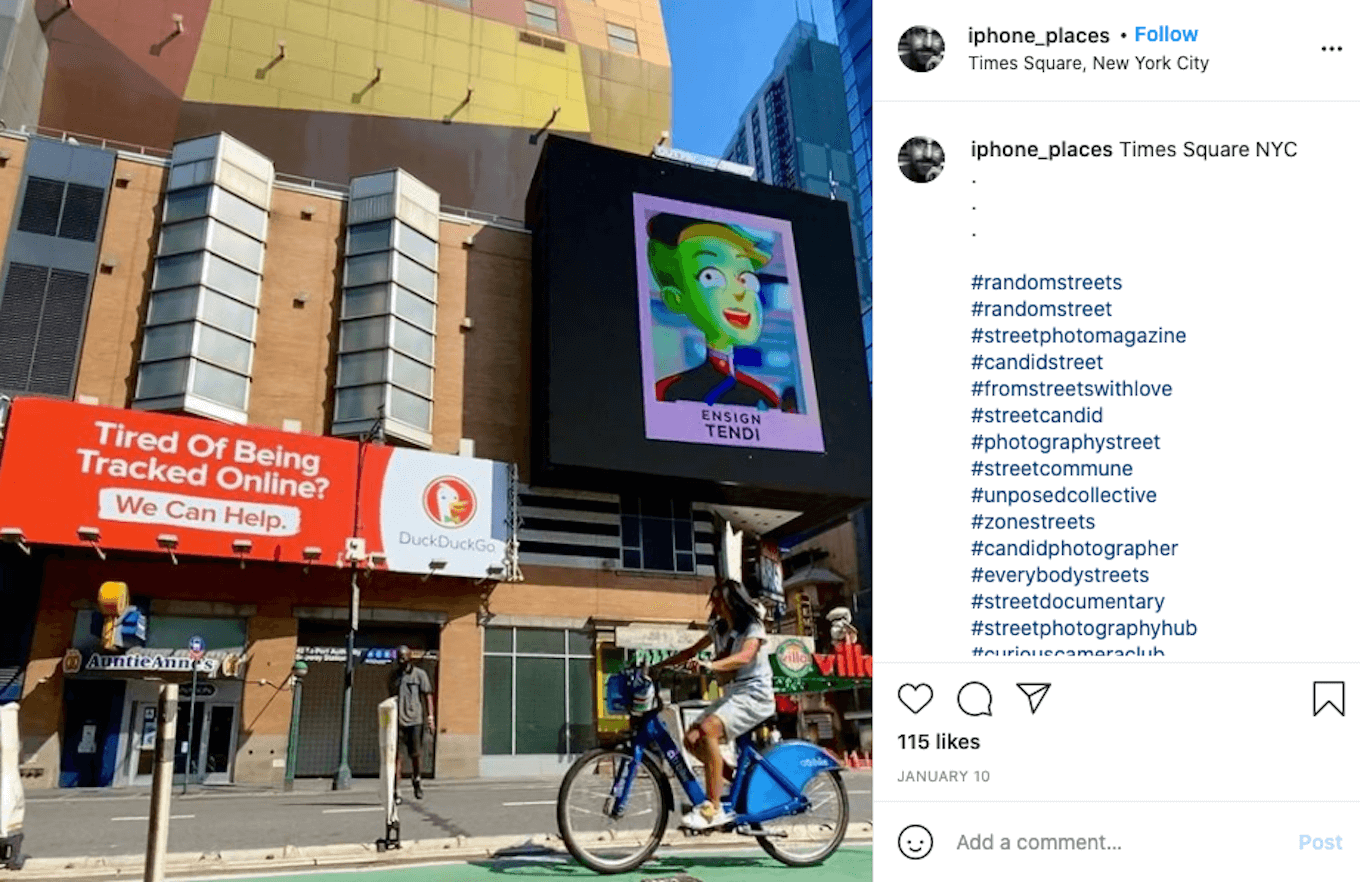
(137, 476)
(224, 490)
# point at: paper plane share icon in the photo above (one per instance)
(1035, 692)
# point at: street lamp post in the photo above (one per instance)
(343, 777)
(299, 671)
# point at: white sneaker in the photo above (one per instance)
(706, 817)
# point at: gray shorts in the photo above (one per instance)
(740, 712)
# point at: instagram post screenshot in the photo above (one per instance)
(444, 439)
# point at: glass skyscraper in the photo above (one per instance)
(854, 32)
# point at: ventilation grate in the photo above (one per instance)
(42, 206)
(84, 207)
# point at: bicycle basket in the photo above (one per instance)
(616, 694)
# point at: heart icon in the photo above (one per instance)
(915, 698)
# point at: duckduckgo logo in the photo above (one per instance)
(450, 502)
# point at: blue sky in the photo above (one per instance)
(721, 51)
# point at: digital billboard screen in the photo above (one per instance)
(724, 347)
(694, 329)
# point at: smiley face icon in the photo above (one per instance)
(915, 842)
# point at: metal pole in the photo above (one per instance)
(291, 770)
(343, 777)
(189, 731)
(158, 830)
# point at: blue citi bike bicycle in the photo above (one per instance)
(614, 804)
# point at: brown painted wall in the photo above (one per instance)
(102, 76)
(496, 376)
(458, 706)
(267, 699)
(108, 359)
(450, 337)
(294, 345)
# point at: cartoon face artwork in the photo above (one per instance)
(709, 276)
(724, 344)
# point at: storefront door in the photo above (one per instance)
(204, 745)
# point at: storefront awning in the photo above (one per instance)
(668, 637)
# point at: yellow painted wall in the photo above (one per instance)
(430, 55)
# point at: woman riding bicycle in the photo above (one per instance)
(737, 634)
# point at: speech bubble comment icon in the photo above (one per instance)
(975, 699)
(914, 697)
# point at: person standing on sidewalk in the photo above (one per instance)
(415, 711)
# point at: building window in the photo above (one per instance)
(541, 16)
(622, 39)
(657, 534)
(537, 692)
(740, 152)
(758, 140)
(782, 169)
(198, 341)
(387, 311)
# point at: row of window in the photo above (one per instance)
(543, 17)
(538, 692)
(781, 143)
(387, 315)
(635, 533)
(199, 337)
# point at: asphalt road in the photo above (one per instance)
(103, 822)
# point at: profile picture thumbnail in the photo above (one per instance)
(921, 160)
(921, 49)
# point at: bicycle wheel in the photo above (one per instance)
(810, 837)
(594, 837)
